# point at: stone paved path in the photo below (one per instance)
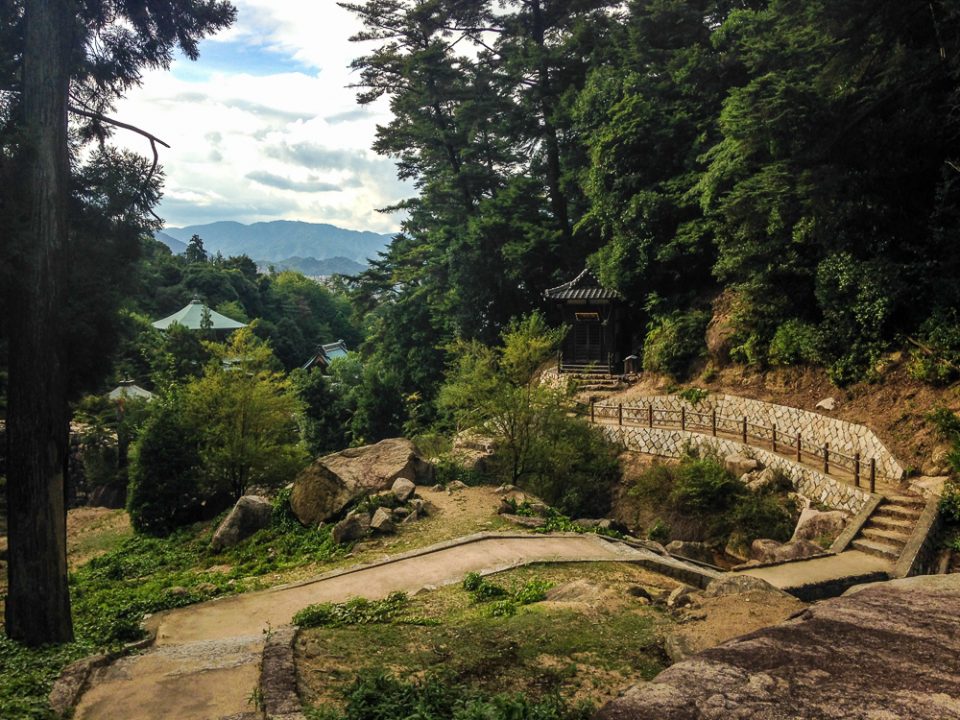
(204, 663)
(850, 566)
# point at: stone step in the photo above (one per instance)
(894, 523)
(907, 500)
(871, 547)
(898, 511)
(890, 537)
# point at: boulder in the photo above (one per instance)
(739, 584)
(929, 486)
(403, 489)
(829, 404)
(455, 486)
(506, 489)
(692, 551)
(758, 480)
(331, 483)
(473, 461)
(382, 521)
(524, 521)
(740, 465)
(814, 666)
(540, 508)
(471, 440)
(679, 597)
(770, 551)
(353, 527)
(251, 513)
(815, 523)
(939, 462)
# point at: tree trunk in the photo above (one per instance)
(38, 601)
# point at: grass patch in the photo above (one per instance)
(575, 651)
(359, 611)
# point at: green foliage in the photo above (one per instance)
(376, 694)
(950, 503)
(795, 343)
(947, 425)
(693, 395)
(699, 499)
(674, 342)
(937, 358)
(566, 462)
(27, 674)
(358, 611)
(165, 481)
(504, 602)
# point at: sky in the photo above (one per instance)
(263, 126)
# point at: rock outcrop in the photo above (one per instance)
(251, 513)
(324, 489)
(815, 523)
(886, 650)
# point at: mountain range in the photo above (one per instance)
(279, 241)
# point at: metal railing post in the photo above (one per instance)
(873, 475)
(713, 421)
(856, 469)
(744, 431)
(826, 458)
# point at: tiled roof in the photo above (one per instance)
(584, 286)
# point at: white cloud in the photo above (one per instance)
(241, 118)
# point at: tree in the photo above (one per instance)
(60, 58)
(195, 254)
(540, 446)
(246, 412)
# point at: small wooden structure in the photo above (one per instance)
(325, 354)
(595, 316)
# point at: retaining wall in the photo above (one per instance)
(676, 443)
(816, 429)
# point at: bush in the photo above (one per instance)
(165, 488)
(763, 515)
(674, 342)
(704, 487)
(376, 694)
(950, 503)
(358, 611)
(795, 343)
(938, 361)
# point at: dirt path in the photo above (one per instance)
(204, 662)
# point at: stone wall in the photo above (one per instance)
(816, 429)
(675, 443)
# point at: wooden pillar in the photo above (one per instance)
(744, 430)
(774, 437)
(592, 403)
(856, 469)
(713, 421)
(799, 448)
(683, 418)
(650, 415)
(620, 413)
(873, 475)
(826, 458)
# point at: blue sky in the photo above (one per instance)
(263, 125)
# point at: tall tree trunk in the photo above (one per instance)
(38, 601)
(558, 200)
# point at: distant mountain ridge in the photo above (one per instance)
(280, 240)
(312, 267)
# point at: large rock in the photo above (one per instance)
(403, 489)
(770, 551)
(692, 551)
(353, 527)
(814, 523)
(382, 521)
(739, 584)
(740, 465)
(251, 513)
(323, 490)
(888, 651)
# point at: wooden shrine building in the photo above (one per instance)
(597, 341)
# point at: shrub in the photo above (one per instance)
(763, 515)
(704, 487)
(938, 360)
(950, 503)
(674, 342)
(358, 611)
(795, 343)
(165, 488)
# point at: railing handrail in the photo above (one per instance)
(688, 418)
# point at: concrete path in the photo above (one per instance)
(204, 663)
(820, 577)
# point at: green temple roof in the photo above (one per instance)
(192, 316)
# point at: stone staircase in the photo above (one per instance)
(890, 526)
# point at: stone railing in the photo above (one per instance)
(846, 444)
